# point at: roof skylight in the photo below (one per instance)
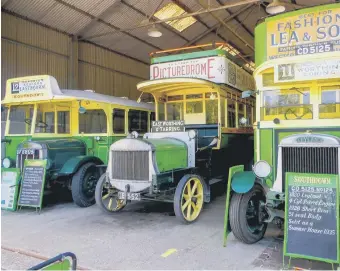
(172, 10)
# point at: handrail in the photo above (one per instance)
(59, 258)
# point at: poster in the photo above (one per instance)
(315, 32)
(9, 188)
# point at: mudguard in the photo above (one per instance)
(243, 181)
(73, 164)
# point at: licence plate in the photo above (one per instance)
(130, 196)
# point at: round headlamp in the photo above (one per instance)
(6, 162)
(134, 134)
(262, 169)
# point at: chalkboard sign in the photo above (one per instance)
(32, 183)
(167, 126)
(312, 217)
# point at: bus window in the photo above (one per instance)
(45, 119)
(249, 116)
(20, 119)
(118, 120)
(286, 104)
(231, 114)
(194, 107)
(63, 120)
(138, 121)
(211, 109)
(93, 121)
(174, 111)
(330, 102)
(240, 111)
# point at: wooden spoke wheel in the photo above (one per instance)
(188, 200)
(107, 196)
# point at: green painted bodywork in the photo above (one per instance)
(261, 30)
(271, 138)
(170, 153)
(178, 57)
(72, 164)
(243, 181)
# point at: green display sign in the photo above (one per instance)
(10, 178)
(32, 183)
(312, 217)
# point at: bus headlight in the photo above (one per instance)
(262, 169)
(7, 162)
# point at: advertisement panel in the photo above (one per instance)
(310, 33)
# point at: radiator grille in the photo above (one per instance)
(318, 160)
(22, 157)
(130, 165)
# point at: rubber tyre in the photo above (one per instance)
(98, 195)
(178, 198)
(237, 216)
(78, 195)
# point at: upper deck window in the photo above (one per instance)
(93, 122)
(330, 102)
(287, 104)
(20, 119)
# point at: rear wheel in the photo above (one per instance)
(188, 200)
(106, 196)
(84, 184)
(247, 214)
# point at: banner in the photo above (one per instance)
(313, 70)
(217, 69)
(315, 32)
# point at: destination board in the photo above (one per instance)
(32, 184)
(312, 216)
(167, 126)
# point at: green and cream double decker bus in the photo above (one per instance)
(297, 112)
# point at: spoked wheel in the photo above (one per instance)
(188, 200)
(107, 196)
(247, 215)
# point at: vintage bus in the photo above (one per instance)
(298, 114)
(72, 129)
(203, 127)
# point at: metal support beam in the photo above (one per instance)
(102, 15)
(213, 28)
(227, 26)
(233, 4)
(73, 64)
(106, 23)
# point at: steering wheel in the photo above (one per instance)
(44, 124)
(290, 110)
(28, 121)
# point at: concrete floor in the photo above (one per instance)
(133, 239)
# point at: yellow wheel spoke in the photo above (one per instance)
(194, 188)
(198, 195)
(185, 204)
(110, 204)
(189, 211)
(194, 207)
(189, 189)
(186, 197)
(106, 196)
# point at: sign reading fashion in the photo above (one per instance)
(215, 69)
(315, 32)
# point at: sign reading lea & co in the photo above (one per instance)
(315, 32)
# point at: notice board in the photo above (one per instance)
(312, 217)
(32, 183)
(10, 178)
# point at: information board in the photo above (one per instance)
(32, 184)
(9, 188)
(312, 216)
(167, 126)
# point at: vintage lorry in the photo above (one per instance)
(202, 127)
(71, 129)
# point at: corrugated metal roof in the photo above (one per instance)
(96, 21)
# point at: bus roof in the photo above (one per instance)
(45, 87)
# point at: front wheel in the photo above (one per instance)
(106, 196)
(84, 184)
(188, 200)
(247, 214)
